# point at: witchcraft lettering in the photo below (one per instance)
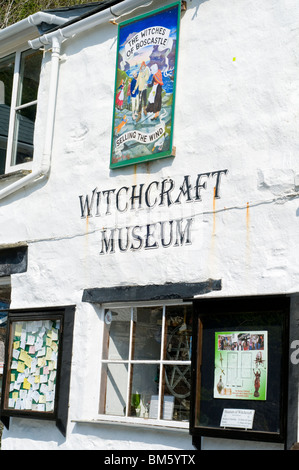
(135, 197)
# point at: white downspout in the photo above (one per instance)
(45, 163)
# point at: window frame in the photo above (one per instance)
(211, 310)
(127, 419)
(10, 166)
(66, 315)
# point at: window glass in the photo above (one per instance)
(145, 385)
(147, 333)
(115, 380)
(6, 81)
(29, 76)
(23, 135)
(117, 334)
(26, 107)
(179, 333)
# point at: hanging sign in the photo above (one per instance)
(145, 83)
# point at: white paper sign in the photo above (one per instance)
(235, 418)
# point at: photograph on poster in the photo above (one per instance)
(241, 365)
(145, 81)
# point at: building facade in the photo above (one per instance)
(148, 245)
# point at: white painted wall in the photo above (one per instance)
(237, 107)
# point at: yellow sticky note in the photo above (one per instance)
(37, 379)
(49, 354)
(41, 362)
(12, 377)
(28, 361)
(21, 367)
(26, 384)
(16, 344)
(18, 329)
(15, 395)
(23, 355)
(42, 399)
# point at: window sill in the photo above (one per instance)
(149, 424)
(15, 175)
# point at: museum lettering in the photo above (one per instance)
(156, 193)
(176, 232)
(148, 237)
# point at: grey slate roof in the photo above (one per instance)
(76, 12)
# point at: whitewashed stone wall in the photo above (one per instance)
(237, 107)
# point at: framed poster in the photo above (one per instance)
(240, 371)
(37, 365)
(145, 82)
(240, 368)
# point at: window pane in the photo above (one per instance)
(29, 76)
(6, 81)
(117, 333)
(176, 402)
(23, 135)
(147, 333)
(115, 376)
(25, 117)
(179, 333)
(145, 386)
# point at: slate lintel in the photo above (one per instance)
(168, 291)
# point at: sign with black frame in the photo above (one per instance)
(240, 368)
(37, 367)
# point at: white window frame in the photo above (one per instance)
(159, 422)
(9, 166)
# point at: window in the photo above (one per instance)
(146, 363)
(19, 80)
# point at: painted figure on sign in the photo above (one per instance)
(121, 124)
(134, 96)
(120, 95)
(155, 96)
(142, 80)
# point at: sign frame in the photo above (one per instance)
(144, 132)
(65, 317)
(257, 313)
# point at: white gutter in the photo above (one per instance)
(34, 20)
(114, 12)
(54, 39)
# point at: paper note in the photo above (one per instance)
(21, 367)
(18, 329)
(26, 384)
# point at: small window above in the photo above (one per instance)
(19, 81)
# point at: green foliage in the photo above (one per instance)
(12, 11)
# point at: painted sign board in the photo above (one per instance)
(144, 98)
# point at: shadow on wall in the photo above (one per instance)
(118, 437)
(44, 432)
